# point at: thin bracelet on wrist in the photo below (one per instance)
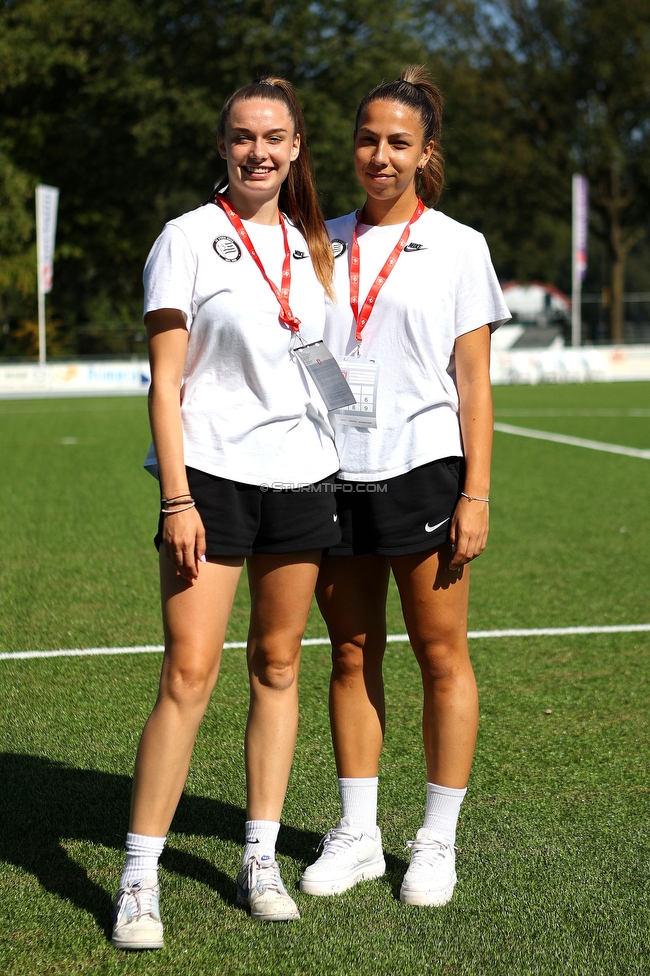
(177, 509)
(177, 499)
(474, 498)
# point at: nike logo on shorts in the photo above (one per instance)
(432, 528)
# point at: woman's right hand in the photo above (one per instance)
(183, 537)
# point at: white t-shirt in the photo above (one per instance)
(442, 286)
(250, 413)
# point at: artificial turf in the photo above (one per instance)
(554, 855)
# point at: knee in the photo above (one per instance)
(442, 661)
(187, 686)
(349, 660)
(274, 670)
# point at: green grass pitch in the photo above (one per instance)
(553, 860)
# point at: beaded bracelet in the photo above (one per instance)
(474, 498)
(176, 511)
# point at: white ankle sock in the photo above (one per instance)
(359, 801)
(261, 836)
(443, 807)
(142, 856)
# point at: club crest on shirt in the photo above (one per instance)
(339, 247)
(227, 249)
(299, 255)
(415, 247)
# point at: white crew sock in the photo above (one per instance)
(443, 807)
(261, 836)
(359, 801)
(142, 856)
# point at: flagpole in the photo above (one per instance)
(41, 325)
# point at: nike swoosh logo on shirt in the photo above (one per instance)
(415, 247)
(432, 528)
(299, 255)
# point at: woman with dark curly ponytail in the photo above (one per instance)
(416, 301)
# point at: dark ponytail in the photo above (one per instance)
(415, 89)
(298, 193)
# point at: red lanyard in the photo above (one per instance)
(361, 318)
(282, 295)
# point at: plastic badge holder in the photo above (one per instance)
(326, 374)
(362, 376)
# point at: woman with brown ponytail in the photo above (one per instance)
(232, 290)
(416, 300)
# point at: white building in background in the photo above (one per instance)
(540, 318)
(537, 303)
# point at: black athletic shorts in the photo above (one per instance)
(241, 520)
(399, 516)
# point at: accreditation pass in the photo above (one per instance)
(362, 376)
(324, 370)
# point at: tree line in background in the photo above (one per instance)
(116, 102)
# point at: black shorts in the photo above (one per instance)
(399, 516)
(242, 520)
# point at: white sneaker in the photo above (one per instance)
(431, 875)
(259, 886)
(136, 918)
(349, 855)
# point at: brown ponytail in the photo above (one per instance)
(415, 89)
(298, 193)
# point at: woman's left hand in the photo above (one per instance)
(469, 531)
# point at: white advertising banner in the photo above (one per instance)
(588, 364)
(27, 380)
(47, 205)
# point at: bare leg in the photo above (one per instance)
(434, 603)
(195, 617)
(351, 595)
(282, 588)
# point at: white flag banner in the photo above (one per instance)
(580, 224)
(580, 229)
(47, 204)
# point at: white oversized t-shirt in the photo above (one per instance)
(249, 411)
(442, 286)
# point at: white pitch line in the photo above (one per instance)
(544, 435)
(578, 412)
(313, 641)
(553, 631)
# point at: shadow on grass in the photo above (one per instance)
(395, 871)
(44, 803)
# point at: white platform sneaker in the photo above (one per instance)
(431, 875)
(349, 855)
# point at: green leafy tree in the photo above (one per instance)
(17, 250)
(117, 102)
(570, 84)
